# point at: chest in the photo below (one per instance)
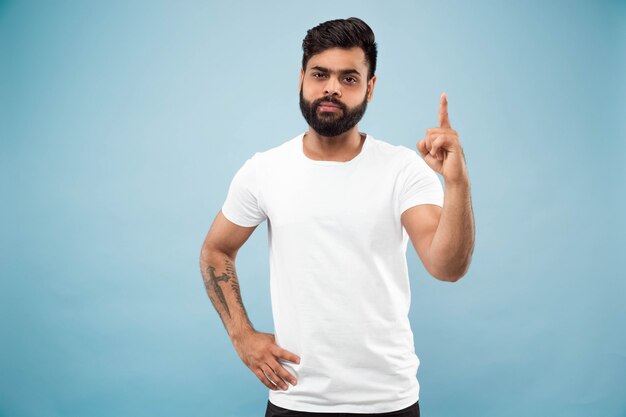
(359, 202)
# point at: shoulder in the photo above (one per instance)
(278, 153)
(399, 155)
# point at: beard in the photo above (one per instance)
(331, 124)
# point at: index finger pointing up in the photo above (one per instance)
(444, 121)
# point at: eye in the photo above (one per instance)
(318, 75)
(351, 80)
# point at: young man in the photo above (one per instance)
(340, 207)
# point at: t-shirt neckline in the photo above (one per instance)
(300, 143)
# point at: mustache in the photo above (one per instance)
(329, 99)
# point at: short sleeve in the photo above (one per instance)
(419, 184)
(242, 202)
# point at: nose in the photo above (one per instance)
(332, 87)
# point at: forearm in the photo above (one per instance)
(452, 246)
(222, 287)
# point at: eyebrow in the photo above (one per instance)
(342, 72)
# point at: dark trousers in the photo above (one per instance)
(276, 411)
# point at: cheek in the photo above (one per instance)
(309, 90)
(356, 98)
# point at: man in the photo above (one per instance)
(340, 207)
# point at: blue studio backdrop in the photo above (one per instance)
(123, 122)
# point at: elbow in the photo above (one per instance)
(447, 277)
(208, 251)
(204, 253)
(451, 273)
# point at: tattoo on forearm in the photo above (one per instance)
(230, 269)
(212, 283)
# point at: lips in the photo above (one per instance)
(328, 106)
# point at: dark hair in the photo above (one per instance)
(341, 33)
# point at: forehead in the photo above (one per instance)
(339, 58)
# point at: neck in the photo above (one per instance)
(342, 148)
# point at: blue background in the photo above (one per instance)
(123, 122)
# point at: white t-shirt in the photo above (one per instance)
(339, 279)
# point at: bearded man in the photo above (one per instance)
(340, 207)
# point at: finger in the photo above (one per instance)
(274, 377)
(442, 130)
(449, 136)
(432, 162)
(269, 379)
(428, 142)
(437, 147)
(264, 379)
(444, 121)
(421, 147)
(288, 356)
(285, 354)
(283, 373)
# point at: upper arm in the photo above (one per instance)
(226, 236)
(421, 223)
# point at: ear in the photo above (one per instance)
(370, 88)
(301, 79)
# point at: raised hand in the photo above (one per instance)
(260, 353)
(441, 148)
